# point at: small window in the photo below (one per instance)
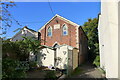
(49, 32)
(65, 30)
(39, 36)
(24, 31)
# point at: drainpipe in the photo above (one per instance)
(45, 36)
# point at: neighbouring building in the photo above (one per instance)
(59, 31)
(109, 25)
(25, 32)
(29, 33)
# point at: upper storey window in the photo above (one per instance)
(49, 31)
(65, 30)
(24, 31)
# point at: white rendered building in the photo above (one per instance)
(108, 38)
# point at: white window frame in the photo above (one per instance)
(64, 25)
(51, 31)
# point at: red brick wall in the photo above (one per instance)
(57, 36)
(83, 46)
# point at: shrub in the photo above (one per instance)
(20, 49)
(12, 69)
(50, 75)
(32, 64)
(14, 53)
(97, 61)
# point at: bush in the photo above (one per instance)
(20, 49)
(97, 61)
(12, 69)
(14, 53)
(32, 64)
(15, 50)
(50, 75)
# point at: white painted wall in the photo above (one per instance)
(31, 56)
(108, 38)
(119, 39)
(62, 52)
(48, 58)
(67, 53)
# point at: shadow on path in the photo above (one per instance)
(89, 71)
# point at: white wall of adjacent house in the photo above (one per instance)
(108, 38)
(119, 39)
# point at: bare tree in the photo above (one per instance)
(6, 18)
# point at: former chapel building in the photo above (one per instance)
(59, 31)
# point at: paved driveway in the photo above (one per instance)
(89, 71)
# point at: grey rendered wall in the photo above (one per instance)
(20, 36)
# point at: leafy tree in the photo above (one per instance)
(91, 30)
